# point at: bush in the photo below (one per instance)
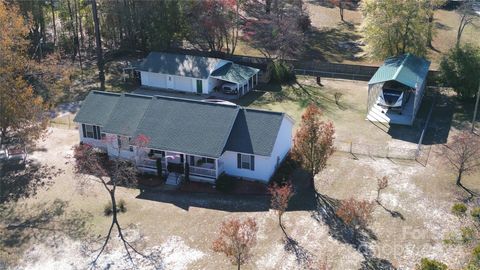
(476, 214)
(281, 72)
(225, 183)
(467, 235)
(475, 261)
(107, 209)
(459, 209)
(122, 207)
(427, 264)
(285, 169)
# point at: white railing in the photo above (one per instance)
(152, 163)
(203, 171)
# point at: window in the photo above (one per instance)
(124, 143)
(246, 162)
(157, 153)
(92, 132)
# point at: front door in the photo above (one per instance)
(169, 82)
(199, 86)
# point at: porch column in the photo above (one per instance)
(216, 167)
(256, 78)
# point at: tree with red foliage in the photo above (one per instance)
(313, 142)
(463, 155)
(90, 161)
(216, 24)
(357, 214)
(342, 4)
(281, 195)
(236, 240)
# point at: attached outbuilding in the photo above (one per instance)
(396, 90)
(196, 74)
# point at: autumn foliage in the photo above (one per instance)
(313, 143)
(356, 213)
(236, 240)
(281, 195)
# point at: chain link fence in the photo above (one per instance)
(380, 151)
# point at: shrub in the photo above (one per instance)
(225, 183)
(475, 261)
(467, 235)
(427, 264)
(281, 72)
(285, 169)
(107, 209)
(459, 209)
(122, 207)
(476, 214)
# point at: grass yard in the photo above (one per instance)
(348, 115)
(329, 32)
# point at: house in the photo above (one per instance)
(201, 138)
(396, 90)
(195, 74)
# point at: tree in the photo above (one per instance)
(99, 51)
(313, 142)
(281, 195)
(393, 27)
(382, 183)
(21, 111)
(428, 264)
(279, 33)
(355, 213)
(460, 69)
(95, 166)
(463, 155)
(236, 240)
(341, 4)
(467, 17)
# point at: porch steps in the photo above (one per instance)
(173, 179)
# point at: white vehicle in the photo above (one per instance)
(229, 88)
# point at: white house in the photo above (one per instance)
(195, 74)
(199, 138)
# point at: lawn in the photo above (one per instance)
(329, 32)
(181, 226)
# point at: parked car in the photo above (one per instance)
(229, 88)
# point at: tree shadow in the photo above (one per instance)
(302, 255)
(360, 240)
(47, 221)
(18, 180)
(394, 214)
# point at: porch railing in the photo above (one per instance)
(203, 171)
(152, 163)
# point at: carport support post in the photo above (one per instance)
(476, 108)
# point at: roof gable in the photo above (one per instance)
(255, 132)
(97, 107)
(179, 64)
(406, 69)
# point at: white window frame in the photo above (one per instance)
(124, 143)
(246, 161)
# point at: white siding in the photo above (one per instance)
(183, 83)
(153, 79)
(90, 141)
(112, 148)
(264, 165)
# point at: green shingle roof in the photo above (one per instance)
(126, 115)
(255, 132)
(234, 73)
(406, 69)
(188, 126)
(97, 107)
(183, 125)
(179, 64)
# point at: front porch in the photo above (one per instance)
(177, 166)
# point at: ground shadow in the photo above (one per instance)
(302, 256)
(326, 214)
(21, 180)
(394, 214)
(438, 128)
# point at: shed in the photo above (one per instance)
(396, 90)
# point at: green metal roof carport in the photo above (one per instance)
(234, 73)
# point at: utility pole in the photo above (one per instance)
(476, 108)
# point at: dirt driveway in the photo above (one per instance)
(180, 228)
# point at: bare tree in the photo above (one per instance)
(467, 17)
(236, 240)
(463, 155)
(382, 183)
(281, 195)
(313, 143)
(355, 213)
(95, 166)
(99, 50)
